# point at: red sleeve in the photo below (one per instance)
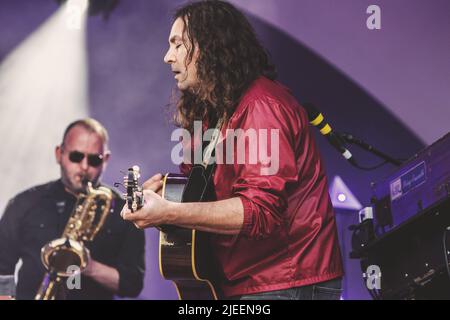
(262, 191)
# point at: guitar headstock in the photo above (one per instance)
(134, 195)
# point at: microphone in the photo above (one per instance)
(316, 119)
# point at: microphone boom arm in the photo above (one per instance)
(353, 140)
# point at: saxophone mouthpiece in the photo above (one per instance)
(85, 183)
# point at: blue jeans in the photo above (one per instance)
(327, 290)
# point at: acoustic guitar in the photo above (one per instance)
(185, 256)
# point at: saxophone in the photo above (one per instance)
(59, 255)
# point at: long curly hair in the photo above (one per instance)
(230, 59)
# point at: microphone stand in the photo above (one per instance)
(353, 140)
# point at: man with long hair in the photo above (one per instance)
(274, 233)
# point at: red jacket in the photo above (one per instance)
(289, 237)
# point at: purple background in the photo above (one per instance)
(389, 87)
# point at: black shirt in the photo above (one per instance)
(39, 215)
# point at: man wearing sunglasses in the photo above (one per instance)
(39, 215)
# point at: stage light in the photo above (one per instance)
(97, 7)
(43, 87)
(342, 197)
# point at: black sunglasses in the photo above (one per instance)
(94, 160)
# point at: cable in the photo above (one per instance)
(370, 168)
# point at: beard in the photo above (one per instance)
(76, 183)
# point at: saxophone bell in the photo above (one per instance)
(59, 255)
